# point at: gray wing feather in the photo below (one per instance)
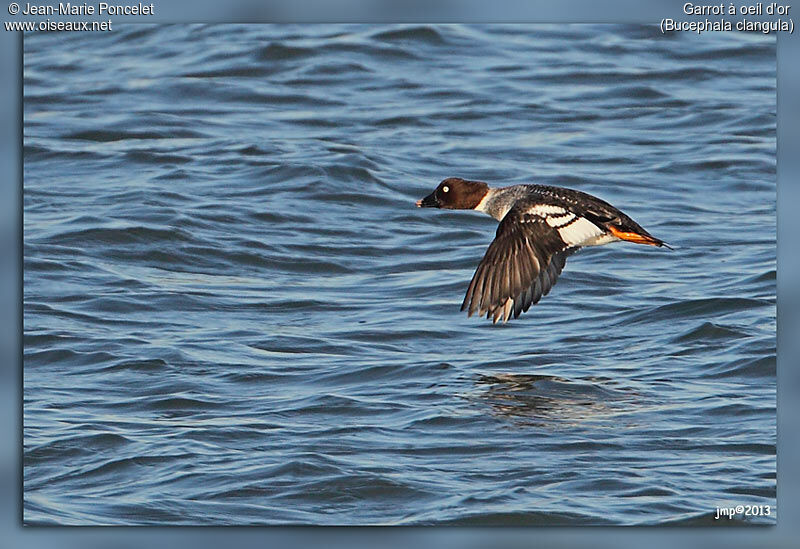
(522, 264)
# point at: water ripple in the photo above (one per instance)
(235, 314)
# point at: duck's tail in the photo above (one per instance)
(638, 236)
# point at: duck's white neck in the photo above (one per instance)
(497, 202)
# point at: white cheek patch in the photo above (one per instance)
(579, 232)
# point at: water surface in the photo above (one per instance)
(234, 314)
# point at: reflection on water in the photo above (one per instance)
(552, 401)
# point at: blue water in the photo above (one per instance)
(234, 314)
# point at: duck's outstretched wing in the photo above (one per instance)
(524, 260)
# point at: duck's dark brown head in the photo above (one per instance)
(455, 193)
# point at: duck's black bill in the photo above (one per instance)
(428, 202)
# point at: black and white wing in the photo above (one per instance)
(524, 260)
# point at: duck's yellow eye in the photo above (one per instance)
(445, 189)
